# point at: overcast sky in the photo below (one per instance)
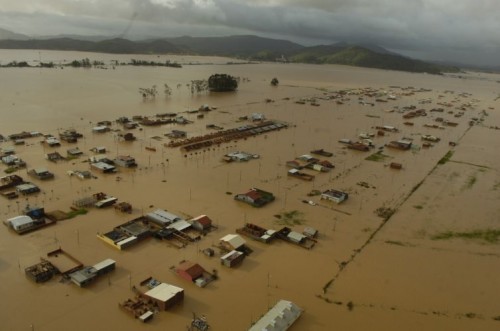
(460, 30)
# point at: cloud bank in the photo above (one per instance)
(462, 30)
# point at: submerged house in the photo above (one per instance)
(232, 242)
(201, 223)
(125, 161)
(255, 197)
(195, 273)
(27, 188)
(164, 295)
(86, 275)
(279, 318)
(231, 259)
(162, 217)
(334, 195)
(400, 144)
(41, 173)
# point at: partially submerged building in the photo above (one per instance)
(125, 161)
(162, 217)
(164, 295)
(202, 223)
(400, 144)
(27, 188)
(127, 234)
(279, 318)
(195, 273)
(239, 156)
(41, 173)
(255, 197)
(334, 195)
(87, 275)
(231, 259)
(232, 242)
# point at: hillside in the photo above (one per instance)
(7, 34)
(114, 46)
(236, 46)
(243, 47)
(363, 57)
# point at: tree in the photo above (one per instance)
(274, 81)
(148, 93)
(167, 90)
(222, 83)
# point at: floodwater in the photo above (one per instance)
(362, 274)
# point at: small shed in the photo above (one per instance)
(190, 271)
(232, 241)
(202, 223)
(232, 258)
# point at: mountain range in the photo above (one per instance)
(248, 47)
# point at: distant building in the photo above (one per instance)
(278, 318)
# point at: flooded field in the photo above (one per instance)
(427, 260)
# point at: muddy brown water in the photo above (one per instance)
(400, 279)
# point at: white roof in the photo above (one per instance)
(164, 292)
(230, 254)
(102, 166)
(163, 216)
(125, 241)
(19, 221)
(296, 236)
(179, 225)
(278, 318)
(104, 264)
(234, 240)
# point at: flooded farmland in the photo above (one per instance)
(412, 249)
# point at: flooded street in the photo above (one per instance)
(365, 272)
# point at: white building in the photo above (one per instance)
(278, 318)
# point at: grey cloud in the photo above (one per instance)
(430, 25)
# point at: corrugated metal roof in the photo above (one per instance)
(234, 240)
(164, 292)
(278, 318)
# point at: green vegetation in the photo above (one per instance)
(76, 212)
(490, 236)
(418, 207)
(167, 63)
(395, 242)
(10, 170)
(377, 157)
(222, 83)
(470, 181)
(446, 158)
(275, 81)
(290, 218)
(363, 57)
(385, 212)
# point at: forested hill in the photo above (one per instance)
(252, 48)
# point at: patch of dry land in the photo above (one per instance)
(415, 248)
